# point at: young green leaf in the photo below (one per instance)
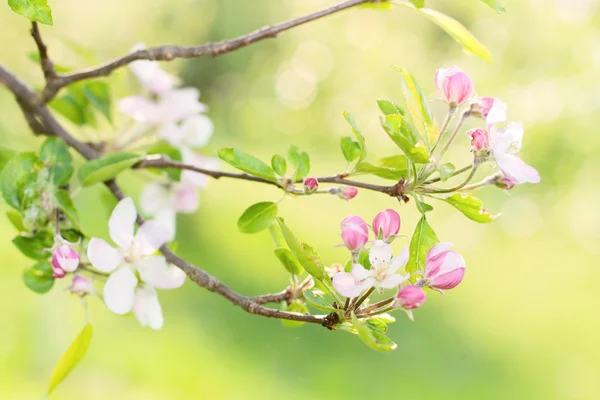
(37, 246)
(74, 105)
(303, 167)
(16, 219)
(106, 168)
(422, 206)
(459, 33)
(295, 306)
(98, 95)
(5, 156)
(63, 201)
(279, 165)
(387, 107)
(359, 136)
(372, 336)
(318, 301)
(496, 5)
(396, 128)
(257, 217)
(418, 3)
(39, 277)
(350, 148)
(34, 10)
(418, 107)
(71, 357)
(471, 207)
(382, 172)
(446, 171)
(422, 241)
(18, 179)
(55, 154)
(305, 255)
(288, 260)
(247, 163)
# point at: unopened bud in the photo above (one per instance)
(355, 232)
(310, 185)
(480, 140)
(386, 224)
(347, 192)
(454, 84)
(410, 297)
(81, 286)
(64, 259)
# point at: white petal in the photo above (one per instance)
(121, 223)
(497, 113)
(150, 237)
(157, 273)
(102, 255)
(178, 104)
(197, 130)
(518, 169)
(147, 309)
(119, 290)
(192, 158)
(346, 285)
(392, 281)
(139, 108)
(167, 218)
(380, 252)
(154, 198)
(185, 198)
(360, 273)
(399, 261)
(172, 133)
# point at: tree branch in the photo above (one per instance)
(46, 63)
(170, 52)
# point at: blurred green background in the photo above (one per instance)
(523, 324)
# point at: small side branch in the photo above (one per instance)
(45, 61)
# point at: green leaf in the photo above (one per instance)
(257, 217)
(106, 168)
(34, 10)
(382, 172)
(166, 150)
(422, 206)
(279, 165)
(63, 201)
(288, 260)
(418, 3)
(397, 129)
(424, 238)
(37, 246)
(318, 302)
(459, 33)
(350, 148)
(372, 337)
(496, 5)
(297, 307)
(387, 107)
(305, 255)
(471, 207)
(98, 95)
(16, 219)
(71, 357)
(5, 156)
(376, 324)
(39, 277)
(247, 163)
(55, 153)
(18, 180)
(303, 167)
(72, 235)
(446, 171)
(361, 139)
(74, 105)
(418, 107)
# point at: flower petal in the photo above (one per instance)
(360, 273)
(154, 198)
(150, 237)
(157, 273)
(167, 218)
(197, 130)
(392, 281)
(192, 158)
(437, 249)
(497, 113)
(346, 285)
(518, 169)
(185, 198)
(399, 261)
(172, 133)
(380, 252)
(139, 108)
(178, 104)
(147, 309)
(121, 223)
(102, 255)
(119, 290)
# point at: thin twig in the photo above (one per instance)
(169, 52)
(457, 172)
(45, 61)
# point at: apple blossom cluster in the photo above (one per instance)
(444, 269)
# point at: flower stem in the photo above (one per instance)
(457, 172)
(445, 124)
(375, 306)
(361, 299)
(459, 125)
(457, 187)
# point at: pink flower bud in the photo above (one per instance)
(355, 233)
(480, 139)
(410, 297)
(64, 259)
(485, 105)
(81, 286)
(348, 192)
(444, 269)
(505, 182)
(454, 84)
(386, 224)
(310, 185)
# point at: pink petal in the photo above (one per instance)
(448, 280)
(103, 256)
(121, 223)
(518, 169)
(346, 285)
(186, 199)
(119, 290)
